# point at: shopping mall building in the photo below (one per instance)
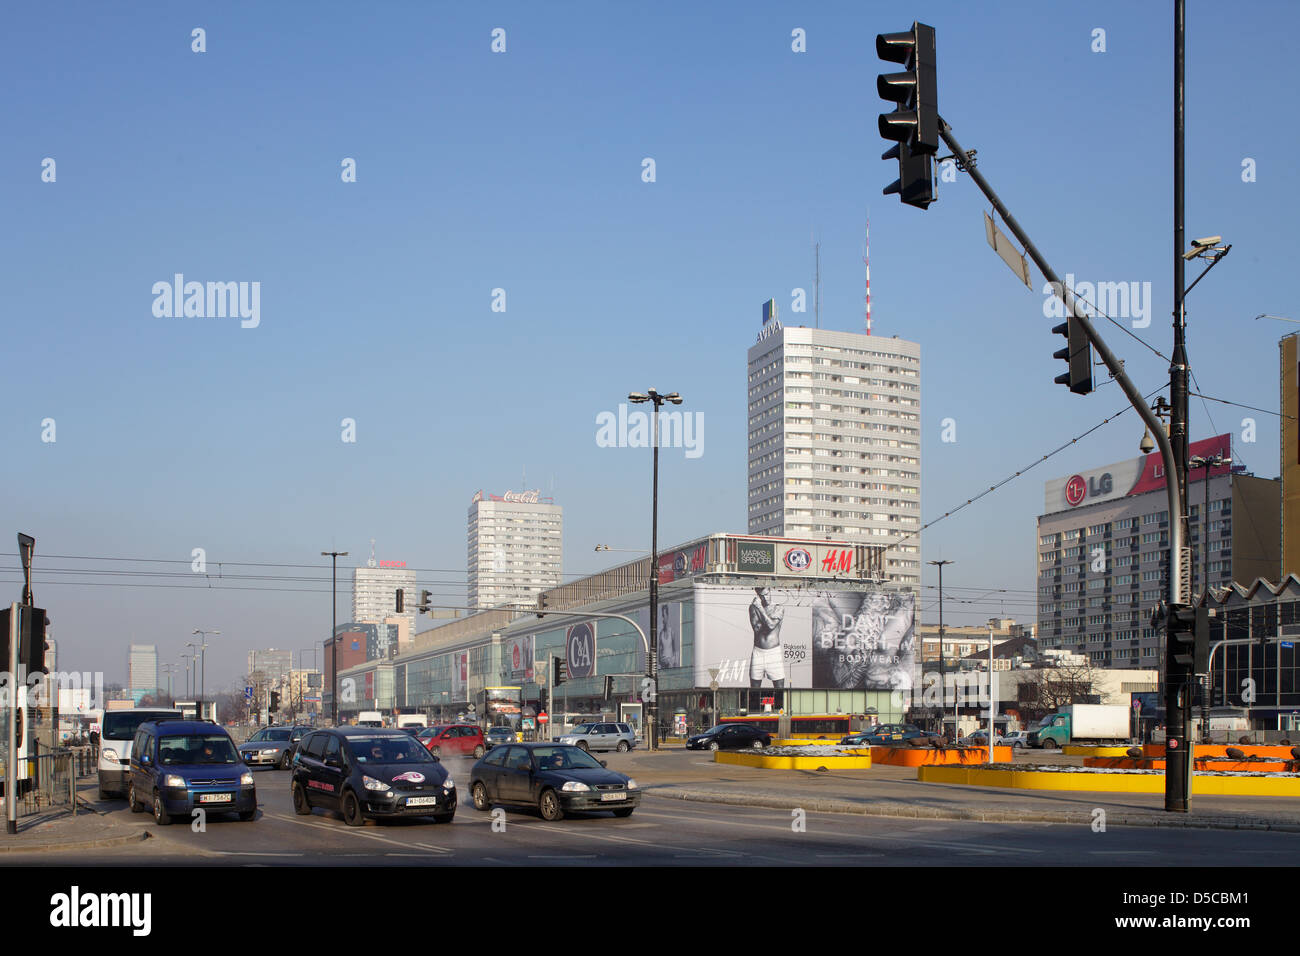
(745, 622)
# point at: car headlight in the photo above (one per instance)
(631, 784)
(449, 784)
(270, 752)
(108, 754)
(371, 783)
(171, 780)
(246, 778)
(574, 786)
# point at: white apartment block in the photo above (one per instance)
(374, 592)
(835, 441)
(516, 548)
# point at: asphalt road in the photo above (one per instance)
(662, 832)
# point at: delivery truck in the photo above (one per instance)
(1085, 724)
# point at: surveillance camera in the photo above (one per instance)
(1207, 241)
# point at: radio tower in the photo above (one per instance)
(866, 262)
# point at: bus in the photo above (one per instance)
(503, 706)
(811, 726)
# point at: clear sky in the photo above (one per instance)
(522, 171)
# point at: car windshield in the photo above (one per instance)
(565, 758)
(718, 729)
(122, 726)
(195, 748)
(401, 749)
(583, 728)
(277, 734)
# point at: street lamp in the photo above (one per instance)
(203, 670)
(652, 659)
(186, 658)
(1207, 462)
(942, 690)
(334, 647)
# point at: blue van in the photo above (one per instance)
(180, 765)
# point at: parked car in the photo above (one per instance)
(555, 778)
(453, 740)
(115, 745)
(601, 736)
(368, 773)
(729, 737)
(980, 738)
(180, 765)
(1017, 739)
(499, 735)
(272, 746)
(883, 735)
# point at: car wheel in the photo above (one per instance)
(549, 805)
(1017, 745)
(624, 811)
(582, 745)
(285, 761)
(479, 751)
(247, 815)
(713, 745)
(132, 802)
(352, 811)
(160, 814)
(480, 796)
(757, 745)
(300, 804)
(103, 794)
(622, 747)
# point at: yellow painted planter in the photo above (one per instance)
(829, 761)
(1110, 783)
(1073, 751)
(917, 757)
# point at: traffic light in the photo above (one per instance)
(32, 643)
(425, 598)
(1078, 353)
(401, 601)
(916, 121)
(275, 700)
(609, 688)
(1189, 637)
(542, 603)
(559, 671)
(914, 126)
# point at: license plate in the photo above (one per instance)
(421, 801)
(215, 797)
(613, 796)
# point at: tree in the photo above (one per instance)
(1061, 681)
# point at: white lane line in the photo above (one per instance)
(357, 832)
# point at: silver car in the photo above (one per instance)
(272, 747)
(601, 736)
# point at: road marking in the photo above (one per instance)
(356, 832)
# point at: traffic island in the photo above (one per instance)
(1096, 779)
(798, 758)
(931, 757)
(1214, 764)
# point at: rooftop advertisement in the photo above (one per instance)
(1127, 478)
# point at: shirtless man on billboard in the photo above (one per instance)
(768, 659)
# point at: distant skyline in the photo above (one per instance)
(500, 275)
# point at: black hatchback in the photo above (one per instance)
(554, 778)
(368, 773)
(730, 737)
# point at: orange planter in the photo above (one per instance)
(917, 757)
(1201, 764)
(1221, 750)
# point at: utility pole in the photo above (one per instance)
(334, 624)
(943, 692)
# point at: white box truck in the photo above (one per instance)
(1084, 724)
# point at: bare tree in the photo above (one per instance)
(1045, 690)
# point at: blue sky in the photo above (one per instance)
(522, 171)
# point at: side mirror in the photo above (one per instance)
(603, 764)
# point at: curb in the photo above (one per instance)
(78, 845)
(982, 816)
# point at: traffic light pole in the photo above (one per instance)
(1178, 772)
(11, 754)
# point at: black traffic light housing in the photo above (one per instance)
(32, 643)
(425, 598)
(401, 601)
(1189, 636)
(609, 687)
(559, 671)
(542, 603)
(914, 126)
(1078, 353)
(275, 700)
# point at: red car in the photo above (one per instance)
(455, 740)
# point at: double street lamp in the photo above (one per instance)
(652, 658)
(334, 624)
(203, 670)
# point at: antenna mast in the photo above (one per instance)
(866, 263)
(817, 286)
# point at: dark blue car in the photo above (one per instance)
(178, 766)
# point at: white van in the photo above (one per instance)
(411, 720)
(119, 727)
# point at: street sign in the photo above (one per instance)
(543, 718)
(713, 685)
(1137, 705)
(248, 693)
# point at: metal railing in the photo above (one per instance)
(50, 781)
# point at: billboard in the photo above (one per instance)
(805, 638)
(1125, 478)
(580, 650)
(669, 634)
(517, 658)
(459, 675)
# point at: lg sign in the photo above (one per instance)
(1076, 489)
